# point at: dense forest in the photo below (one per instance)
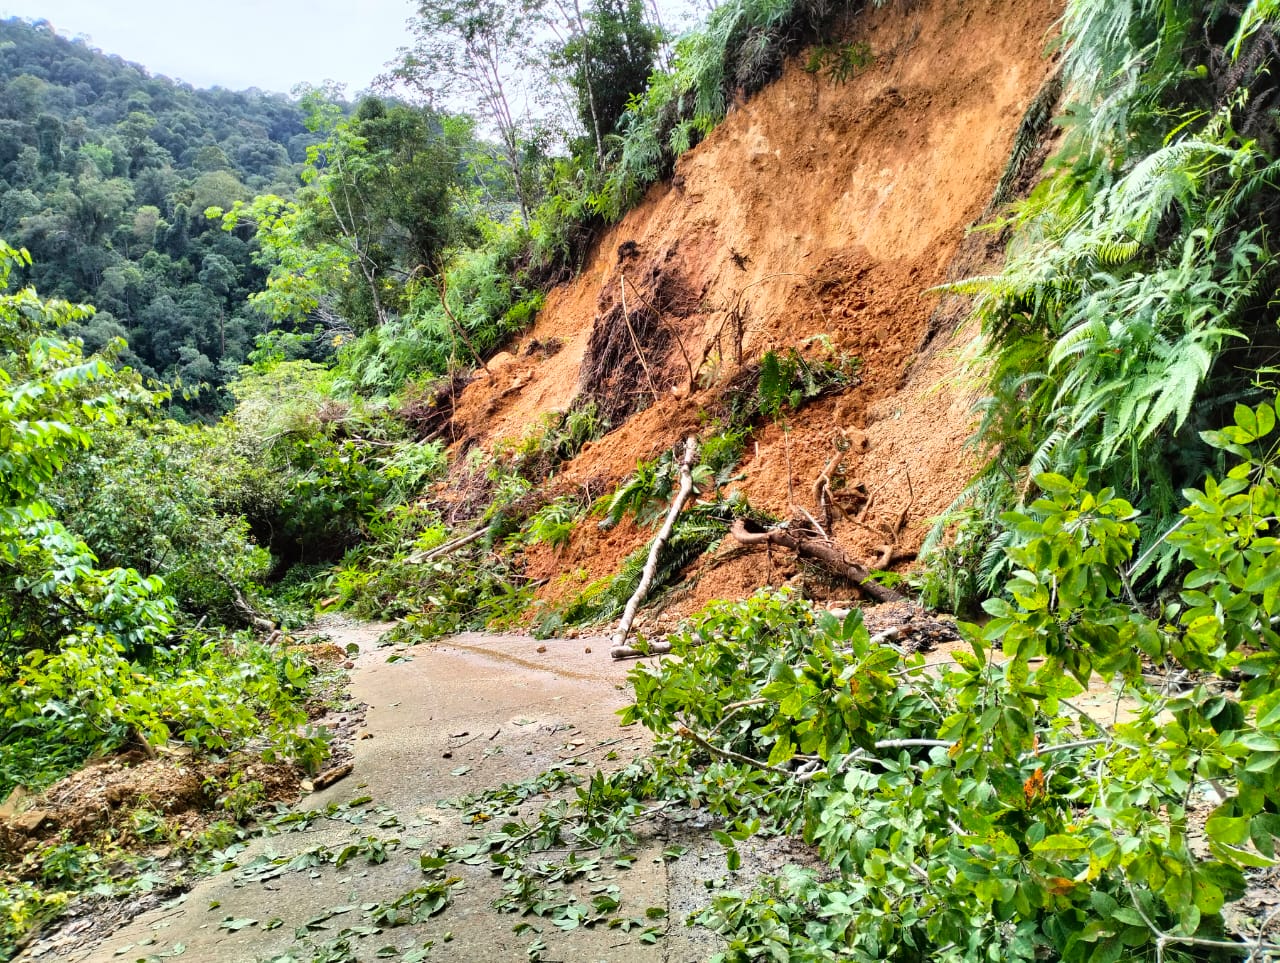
(107, 172)
(333, 277)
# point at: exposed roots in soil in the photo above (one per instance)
(428, 410)
(627, 366)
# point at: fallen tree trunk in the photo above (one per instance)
(247, 611)
(820, 550)
(651, 566)
(640, 652)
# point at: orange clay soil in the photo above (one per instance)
(814, 209)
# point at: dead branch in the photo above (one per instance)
(906, 512)
(328, 777)
(822, 532)
(448, 547)
(857, 520)
(247, 611)
(714, 343)
(635, 342)
(866, 507)
(891, 555)
(651, 566)
(822, 497)
(822, 551)
(457, 325)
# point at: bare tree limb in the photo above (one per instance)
(640, 651)
(448, 547)
(825, 552)
(443, 291)
(651, 566)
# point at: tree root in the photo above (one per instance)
(824, 552)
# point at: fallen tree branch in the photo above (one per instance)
(822, 496)
(891, 555)
(640, 651)
(686, 732)
(901, 522)
(822, 532)
(651, 566)
(826, 553)
(888, 637)
(448, 547)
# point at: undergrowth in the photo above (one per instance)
(1133, 310)
(212, 693)
(967, 809)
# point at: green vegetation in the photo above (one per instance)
(485, 294)
(89, 659)
(105, 173)
(1117, 530)
(1133, 311)
(962, 810)
(839, 63)
(971, 811)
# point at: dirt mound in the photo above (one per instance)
(143, 794)
(815, 210)
(128, 797)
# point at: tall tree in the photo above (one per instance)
(377, 209)
(609, 55)
(477, 49)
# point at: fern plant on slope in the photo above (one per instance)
(1134, 302)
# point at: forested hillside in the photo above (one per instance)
(105, 173)
(964, 308)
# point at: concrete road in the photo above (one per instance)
(444, 721)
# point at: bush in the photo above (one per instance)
(210, 693)
(149, 496)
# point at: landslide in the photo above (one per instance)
(814, 209)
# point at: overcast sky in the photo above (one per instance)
(237, 43)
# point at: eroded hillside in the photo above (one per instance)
(818, 216)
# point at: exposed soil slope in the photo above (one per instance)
(814, 209)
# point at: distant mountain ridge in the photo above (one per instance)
(105, 172)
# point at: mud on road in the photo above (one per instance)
(444, 721)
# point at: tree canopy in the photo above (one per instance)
(105, 172)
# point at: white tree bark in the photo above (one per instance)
(651, 567)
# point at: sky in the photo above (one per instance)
(237, 44)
